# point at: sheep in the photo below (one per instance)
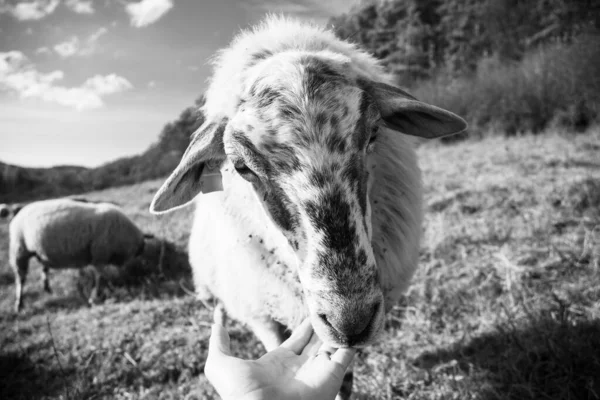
(69, 233)
(312, 194)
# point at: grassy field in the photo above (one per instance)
(505, 305)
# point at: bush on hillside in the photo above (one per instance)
(555, 86)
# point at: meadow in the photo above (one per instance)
(505, 303)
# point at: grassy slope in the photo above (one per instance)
(506, 303)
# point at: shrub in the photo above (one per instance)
(554, 86)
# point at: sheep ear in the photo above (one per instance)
(404, 113)
(198, 170)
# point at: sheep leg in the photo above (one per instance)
(94, 293)
(268, 331)
(46, 279)
(20, 267)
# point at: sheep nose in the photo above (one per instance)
(353, 325)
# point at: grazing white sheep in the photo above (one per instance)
(320, 213)
(71, 233)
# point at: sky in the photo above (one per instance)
(86, 82)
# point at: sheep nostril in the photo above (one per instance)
(375, 309)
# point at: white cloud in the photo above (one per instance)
(18, 75)
(96, 35)
(80, 6)
(146, 12)
(68, 48)
(30, 10)
(43, 50)
(152, 84)
(108, 84)
(75, 47)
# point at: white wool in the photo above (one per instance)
(64, 233)
(54, 229)
(276, 34)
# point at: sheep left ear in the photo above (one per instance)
(198, 171)
(404, 113)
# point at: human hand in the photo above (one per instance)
(298, 369)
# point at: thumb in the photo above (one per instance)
(219, 352)
(219, 341)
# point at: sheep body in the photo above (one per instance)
(66, 233)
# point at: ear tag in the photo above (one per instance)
(211, 179)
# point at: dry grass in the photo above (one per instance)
(506, 303)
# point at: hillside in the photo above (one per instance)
(505, 304)
(26, 184)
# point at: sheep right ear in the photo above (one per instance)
(198, 170)
(404, 113)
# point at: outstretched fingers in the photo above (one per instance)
(300, 337)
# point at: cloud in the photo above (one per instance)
(18, 75)
(96, 35)
(68, 48)
(107, 84)
(80, 6)
(146, 12)
(43, 50)
(75, 47)
(152, 84)
(30, 10)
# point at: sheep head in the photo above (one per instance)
(303, 137)
(4, 211)
(8, 211)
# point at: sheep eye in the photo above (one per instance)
(374, 134)
(372, 139)
(244, 171)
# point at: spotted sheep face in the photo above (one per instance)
(303, 136)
